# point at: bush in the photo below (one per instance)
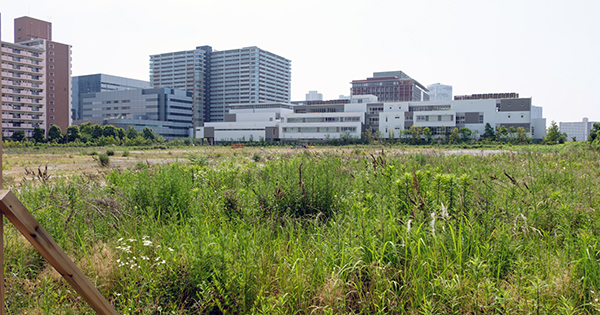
(110, 152)
(103, 160)
(125, 153)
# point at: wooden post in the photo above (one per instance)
(24, 221)
(2, 306)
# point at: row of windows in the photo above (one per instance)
(319, 129)
(322, 119)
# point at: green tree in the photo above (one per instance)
(428, 134)
(488, 132)
(38, 135)
(131, 133)
(109, 131)
(416, 133)
(72, 133)
(85, 129)
(553, 135)
(368, 136)
(96, 131)
(121, 133)
(454, 136)
(502, 133)
(465, 133)
(55, 134)
(594, 132)
(149, 134)
(522, 136)
(18, 135)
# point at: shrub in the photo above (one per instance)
(125, 153)
(110, 152)
(103, 160)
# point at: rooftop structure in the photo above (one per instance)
(487, 96)
(392, 86)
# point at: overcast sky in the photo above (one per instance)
(548, 50)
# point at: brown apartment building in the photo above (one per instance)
(29, 31)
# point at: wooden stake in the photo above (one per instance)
(24, 221)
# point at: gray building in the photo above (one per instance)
(167, 111)
(99, 83)
(220, 78)
(440, 92)
(579, 131)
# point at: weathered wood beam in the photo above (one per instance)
(24, 221)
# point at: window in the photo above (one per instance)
(51, 74)
(51, 117)
(51, 88)
(51, 102)
(51, 59)
(51, 95)
(51, 53)
(52, 110)
(51, 67)
(51, 46)
(51, 81)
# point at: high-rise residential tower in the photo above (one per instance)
(220, 78)
(33, 32)
(23, 89)
(391, 86)
(440, 92)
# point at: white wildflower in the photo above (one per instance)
(408, 226)
(170, 249)
(433, 223)
(445, 214)
(147, 243)
(120, 239)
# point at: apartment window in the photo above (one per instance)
(51, 53)
(51, 74)
(51, 88)
(51, 67)
(52, 110)
(51, 59)
(51, 81)
(51, 117)
(51, 95)
(51, 102)
(51, 46)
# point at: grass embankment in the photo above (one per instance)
(323, 232)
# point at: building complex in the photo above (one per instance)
(440, 92)
(364, 113)
(220, 78)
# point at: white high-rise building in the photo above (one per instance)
(440, 92)
(220, 78)
(314, 96)
(578, 130)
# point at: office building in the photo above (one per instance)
(342, 118)
(220, 78)
(314, 96)
(392, 86)
(99, 82)
(23, 88)
(440, 92)
(578, 131)
(167, 111)
(33, 32)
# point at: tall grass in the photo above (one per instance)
(325, 232)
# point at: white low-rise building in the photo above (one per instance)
(578, 131)
(324, 120)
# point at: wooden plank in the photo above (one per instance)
(24, 221)
(2, 260)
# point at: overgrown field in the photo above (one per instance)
(326, 231)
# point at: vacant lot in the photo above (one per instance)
(341, 230)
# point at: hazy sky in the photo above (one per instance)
(548, 50)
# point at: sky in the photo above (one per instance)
(548, 50)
